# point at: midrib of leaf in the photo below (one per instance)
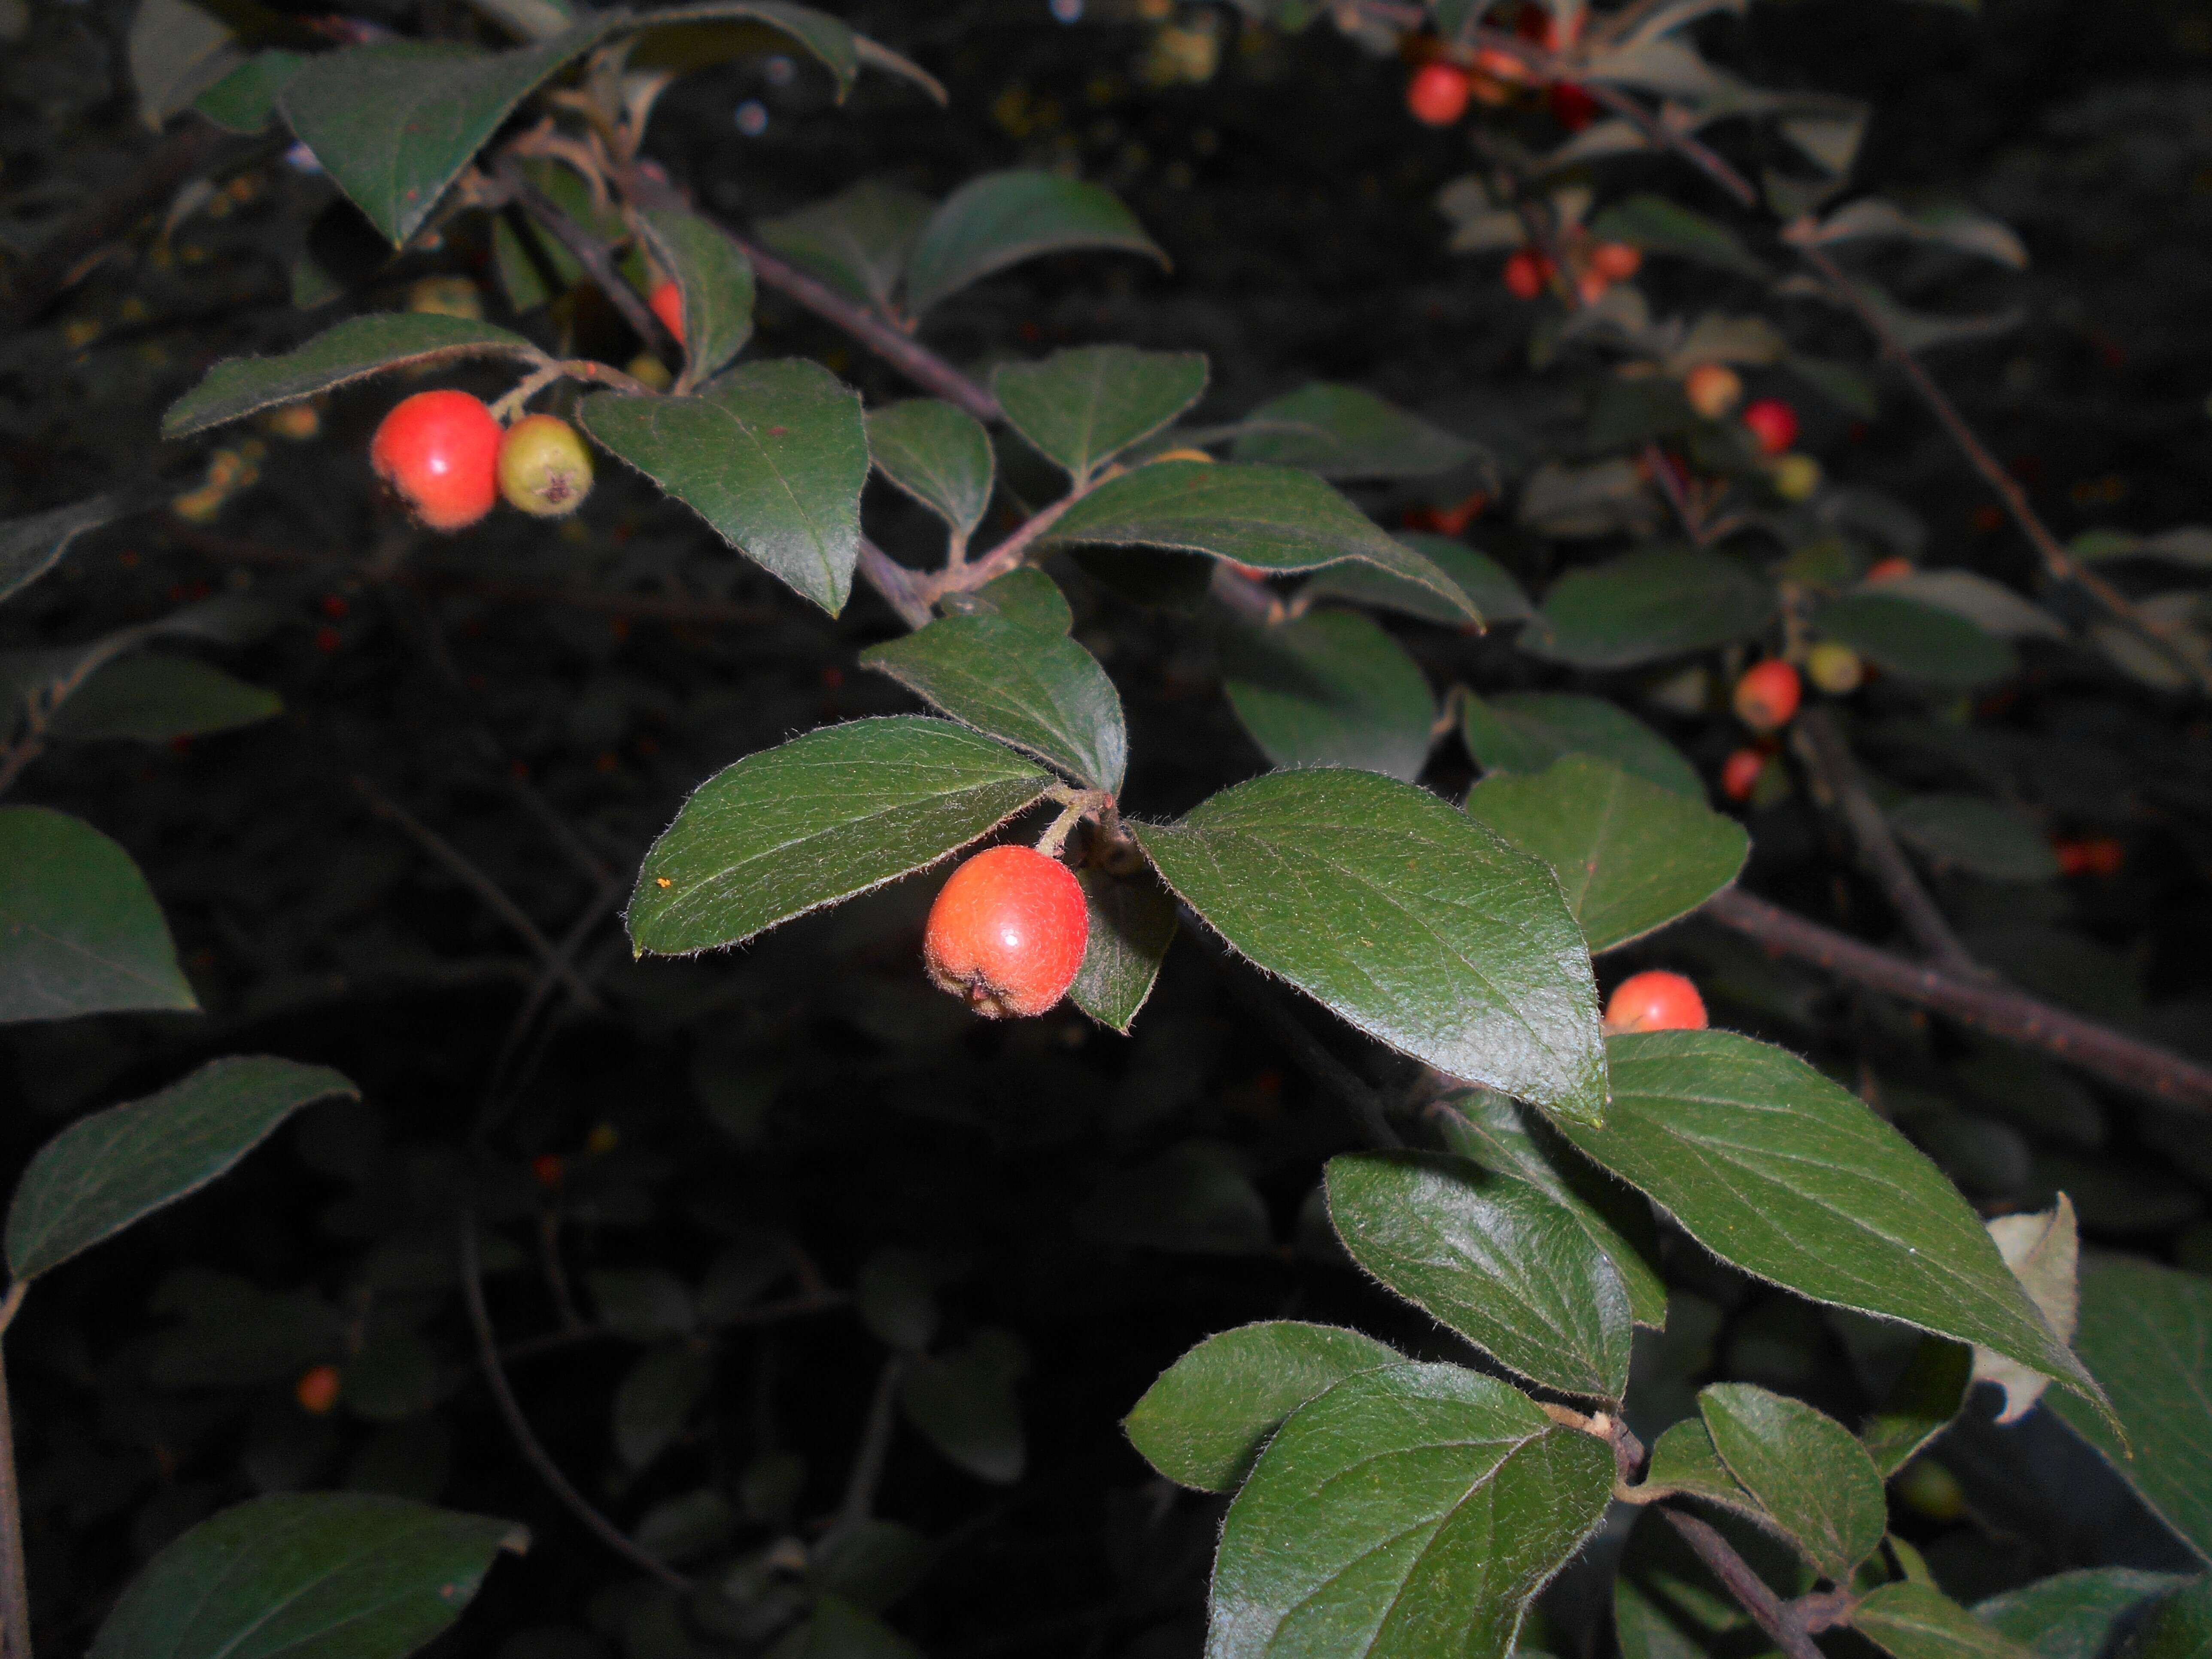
(247, 1559)
(75, 949)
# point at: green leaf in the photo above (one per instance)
(1772, 1167)
(1001, 219)
(1023, 595)
(2179, 1627)
(1083, 407)
(1271, 518)
(1917, 641)
(895, 1296)
(1405, 918)
(117, 1166)
(1640, 607)
(1195, 1197)
(857, 240)
(1481, 578)
(870, 1564)
(1918, 1621)
(323, 1574)
(235, 1335)
(155, 699)
(1805, 1470)
(644, 1305)
(1982, 838)
(80, 932)
(358, 347)
(1630, 855)
(747, 26)
(1683, 1460)
(2146, 1333)
(1204, 1420)
(656, 1399)
(1921, 1403)
(1331, 688)
(1951, 223)
(245, 100)
(1415, 1509)
(1660, 226)
(1132, 922)
(1342, 432)
(395, 123)
(2073, 1615)
(940, 455)
(818, 820)
(772, 456)
(1488, 1128)
(963, 1404)
(1528, 731)
(1037, 691)
(1493, 1258)
(31, 546)
(716, 282)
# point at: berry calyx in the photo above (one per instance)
(317, 1390)
(666, 301)
(1616, 261)
(1712, 389)
(1767, 695)
(1795, 478)
(1835, 668)
(1526, 273)
(1772, 424)
(544, 467)
(1437, 94)
(1654, 1001)
(1007, 933)
(1740, 773)
(439, 452)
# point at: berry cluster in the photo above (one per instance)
(446, 455)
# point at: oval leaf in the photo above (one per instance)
(1526, 731)
(1493, 1258)
(1203, 1421)
(31, 546)
(857, 240)
(1918, 1621)
(1804, 1469)
(100, 1175)
(1405, 918)
(1342, 432)
(1918, 641)
(80, 932)
(1983, 837)
(1330, 689)
(307, 1573)
(715, 280)
(940, 455)
(158, 699)
(1481, 578)
(1464, 1500)
(818, 820)
(1132, 922)
(1003, 218)
(1085, 406)
(963, 1404)
(1642, 606)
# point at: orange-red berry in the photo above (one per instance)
(317, 1390)
(548, 1171)
(1767, 695)
(1616, 261)
(1712, 389)
(439, 451)
(1772, 424)
(1438, 94)
(667, 302)
(2089, 855)
(1007, 933)
(1740, 774)
(1654, 1001)
(1890, 569)
(1526, 273)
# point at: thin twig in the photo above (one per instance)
(588, 251)
(875, 1446)
(519, 1425)
(901, 587)
(1364, 1105)
(15, 1581)
(1767, 1610)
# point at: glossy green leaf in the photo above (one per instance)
(1772, 1167)
(772, 455)
(1488, 1128)
(1204, 1420)
(1630, 855)
(685, 36)
(2073, 1615)
(857, 240)
(818, 820)
(1805, 1469)
(1195, 1198)
(1492, 1257)
(1411, 1510)
(1405, 918)
(1917, 642)
(1083, 406)
(2146, 1333)
(1918, 1621)
(1683, 1460)
(1037, 691)
(1640, 607)
(1023, 595)
(358, 347)
(1920, 1404)
(245, 100)
(656, 1398)
(1982, 838)
(31, 546)
(1657, 225)
(156, 699)
(1132, 922)
(963, 1404)
(1481, 578)
(1271, 518)
(395, 123)
(80, 932)
(117, 1166)
(327, 1574)
(1527, 731)
(716, 282)
(1330, 688)
(940, 455)
(1343, 432)
(1001, 219)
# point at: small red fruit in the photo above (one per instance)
(548, 1171)
(1656, 1001)
(1571, 107)
(1526, 273)
(1438, 94)
(1889, 569)
(1616, 261)
(1773, 425)
(328, 641)
(1740, 774)
(1712, 389)
(439, 451)
(1007, 933)
(317, 1390)
(2090, 855)
(667, 302)
(1768, 695)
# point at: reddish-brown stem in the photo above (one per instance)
(1767, 1610)
(587, 250)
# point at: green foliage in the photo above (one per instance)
(1330, 689)
(716, 282)
(1803, 1469)
(938, 455)
(1082, 408)
(1003, 218)
(1644, 606)
(80, 933)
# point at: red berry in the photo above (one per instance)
(334, 607)
(1767, 695)
(317, 1390)
(1740, 774)
(1773, 425)
(1889, 569)
(439, 452)
(1571, 107)
(1007, 933)
(1656, 1002)
(2089, 855)
(1437, 94)
(328, 640)
(548, 1169)
(1526, 273)
(1616, 261)
(667, 302)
